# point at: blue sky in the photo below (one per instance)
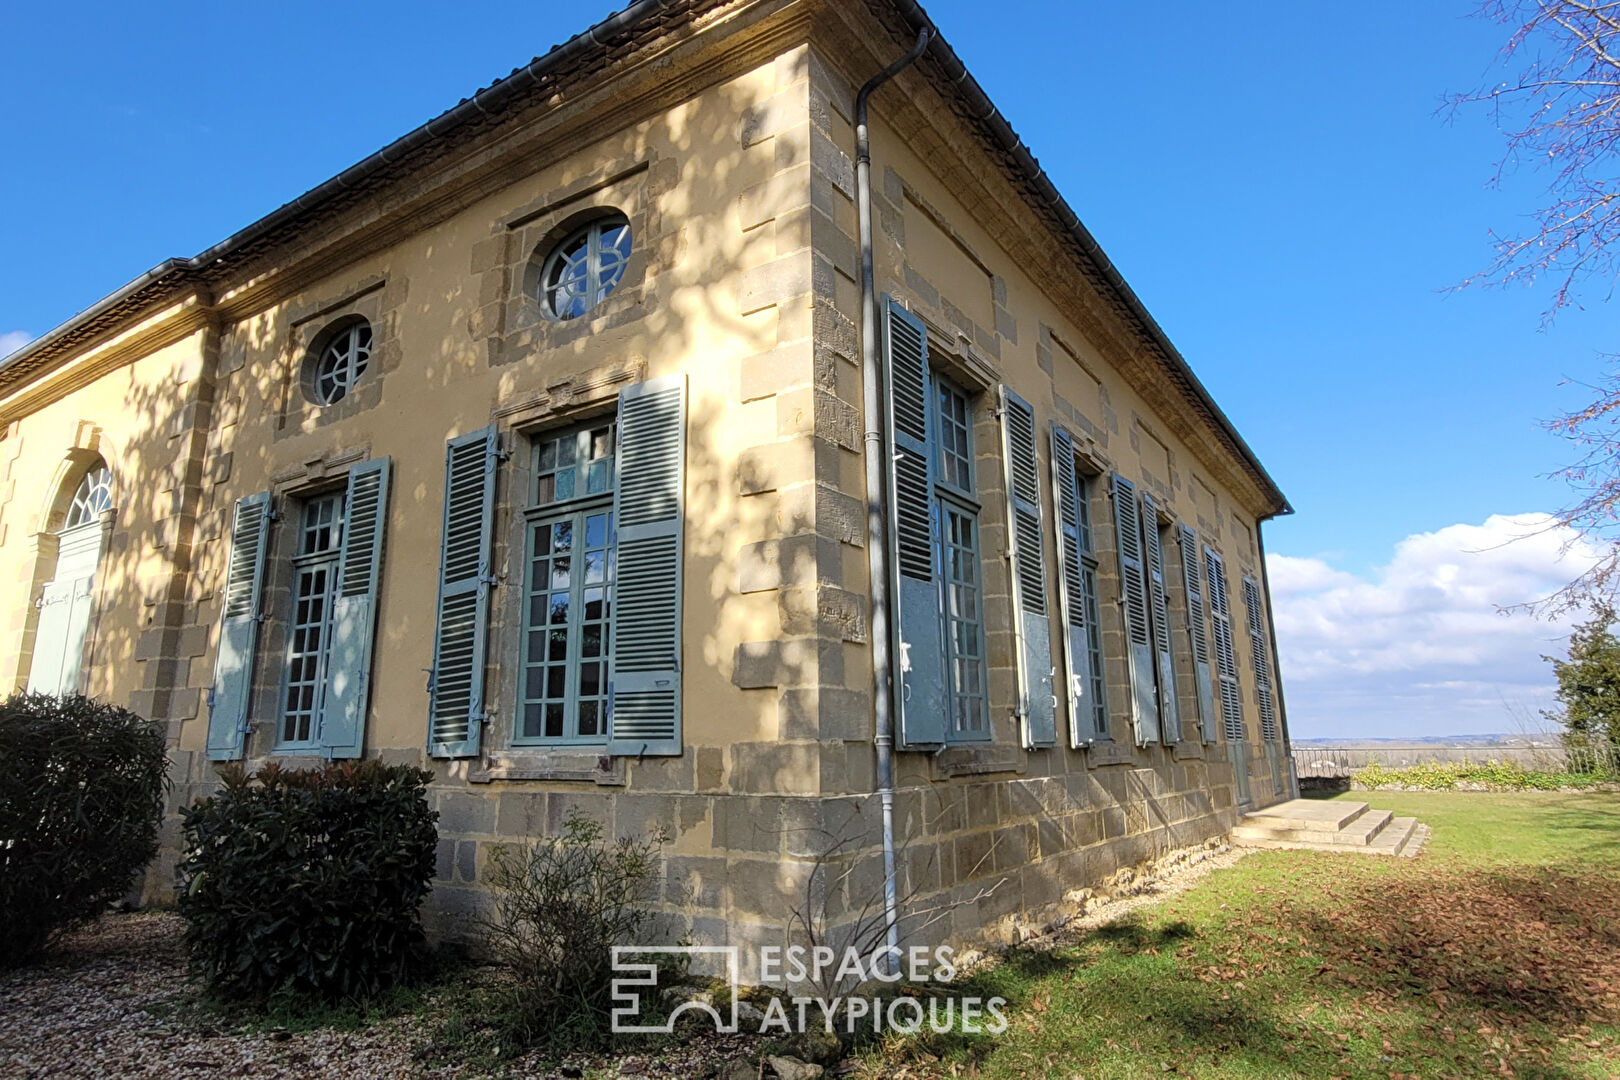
(1272, 178)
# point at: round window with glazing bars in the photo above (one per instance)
(340, 363)
(581, 271)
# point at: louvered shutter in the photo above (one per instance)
(919, 623)
(1194, 577)
(354, 610)
(1169, 714)
(239, 628)
(1032, 624)
(644, 681)
(1225, 655)
(456, 709)
(1072, 596)
(1262, 659)
(1133, 598)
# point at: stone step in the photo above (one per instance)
(1414, 846)
(1308, 815)
(1365, 829)
(1334, 826)
(1358, 833)
(1396, 838)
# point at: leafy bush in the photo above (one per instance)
(1494, 775)
(308, 882)
(81, 799)
(562, 905)
(1589, 690)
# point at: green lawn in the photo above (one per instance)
(1497, 953)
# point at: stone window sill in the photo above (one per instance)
(974, 761)
(1108, 752)
(536, 763)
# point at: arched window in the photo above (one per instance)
(66, 605)
(92, 498)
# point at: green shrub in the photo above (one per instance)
(1448, 776)
(308, 882)
(81, 799)
(562, 905)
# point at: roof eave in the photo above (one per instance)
(977, 104)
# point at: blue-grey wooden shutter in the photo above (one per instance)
(644, 679)
(1169, 714)
(1193, 576)
(1072, 596)
(354, 610)
(1133, 599)
(239, 628)
(1262, 659)
(456, 711)
(920, 687)
(1225, 655)
(1032, 624)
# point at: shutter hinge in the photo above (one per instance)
(489, 579)
(210, 697)
(429, 680)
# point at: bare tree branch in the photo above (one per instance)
(1560, 112)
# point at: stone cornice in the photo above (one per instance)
(184, 316)
(682, 48)
(930, 106)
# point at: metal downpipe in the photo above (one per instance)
(877, 495)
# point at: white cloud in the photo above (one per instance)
(13, 340)
(1421, 646)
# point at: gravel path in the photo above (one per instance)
(110, 1003)
(113, 1002)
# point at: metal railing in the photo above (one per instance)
(1341, 761)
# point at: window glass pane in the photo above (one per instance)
(566, 658)
(954, 451)
(1099, 704)
(573, 463)
(1082, 504)
(964, 632)
(310, 632)
(596, 530)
